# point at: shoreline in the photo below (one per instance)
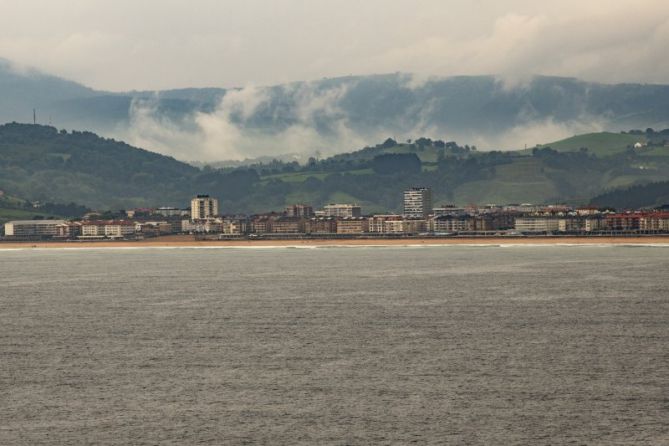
(184, 241)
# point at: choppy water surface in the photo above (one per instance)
(444, 345)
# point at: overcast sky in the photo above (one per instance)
(157, 44)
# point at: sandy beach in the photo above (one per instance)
(190, 241)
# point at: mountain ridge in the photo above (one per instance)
(40, 163)
(331, 115)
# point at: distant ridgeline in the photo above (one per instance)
(40, 163)
(463, 106)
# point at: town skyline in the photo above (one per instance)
(346, 220)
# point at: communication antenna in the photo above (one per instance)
(34, 116)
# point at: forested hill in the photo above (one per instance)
(635, 197)
(40, 163)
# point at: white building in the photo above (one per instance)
(386, 224)
(537, 224)
(119, 229)
(342, 210)
(203, 207)
(108, 229)
(170, 212)
(33, 228)
(209, 225)
(417, 202)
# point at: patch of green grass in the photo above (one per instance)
(16, 214)
(601, 144)
(492, 191)
(360, 172)
(521, 181)
(654, 151)
(300, 177)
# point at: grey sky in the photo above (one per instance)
(156, 44)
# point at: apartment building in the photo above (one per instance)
(288, 225)
(386, 224)
(655, 222)
(417, 202)
(321, 225)
(108, 229)
(33, 228)
(171, 212)
(342, 210)
(452, 223)
(622, 222)
(299, 210)
(352, 225)
(234, 226)
(202, 207)
(537, 224)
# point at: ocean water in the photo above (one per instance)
(530, 345)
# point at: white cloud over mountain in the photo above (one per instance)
(156, 44)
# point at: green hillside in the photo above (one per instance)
(601, 144)
(635, 197)
(40, 163)
(12, 208)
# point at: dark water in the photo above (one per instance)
(446, 345)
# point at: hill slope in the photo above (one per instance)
(601, 144)
(41, 163)
(635, 197)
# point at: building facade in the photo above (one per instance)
(342, 210)
(537, 224)
(417, 202)
(299, 210)
(203, 207)
(352, 225)
(33, 228)
(321, 225)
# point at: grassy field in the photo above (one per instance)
(654, 151)
(426, 155)
(521, 181)
(300, 177)
(601, 144)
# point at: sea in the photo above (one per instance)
(436, 345)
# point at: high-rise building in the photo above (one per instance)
(417, 202)
(299, 210)
(203, 207)
(342, 210)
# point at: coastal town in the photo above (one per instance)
(420, 218)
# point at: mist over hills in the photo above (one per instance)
(330, 116)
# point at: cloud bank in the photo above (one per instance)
(320, 119)
(314, 124)
(159, 44)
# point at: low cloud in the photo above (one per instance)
(312, 124)
(538, 132)
(310, 119)
(155, 44)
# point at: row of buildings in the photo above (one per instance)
(347, 220)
